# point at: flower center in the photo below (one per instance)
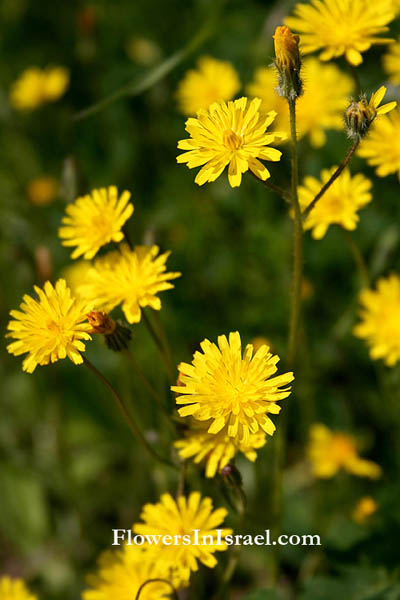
(231, 140)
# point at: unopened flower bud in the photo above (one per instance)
(358, 117)
(116, 334)
(288, 62)
(101, 322)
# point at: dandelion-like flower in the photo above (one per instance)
(380, 320)
(381, 147)
(121, 574)
(391, 62)
(183, 517)
(50, 328)
(325, 96)
(217, 450)
(75, 274)
(339, 204)
(232, 391)
(132, 278)
(14, 589)
(38, 86)
(364, 509)
(337, 27)
(212, 81)
(42, 190)
(331, 451)
(95, 220)
(233, 134)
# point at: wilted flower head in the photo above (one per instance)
(338, 27)
(95, 220)
(212, 81)
(331, 451)
(183, 516)
(287, 62)
(233, 392)
(380, 320)
(14, 589)
(359, 115)
(50, 328)
(37, 86)
(233, 134)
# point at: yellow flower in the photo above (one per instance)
(95, 220)
(120, 575)
(14, 589)
(364, 509)
(182, 517)
(381, 147)
(233, 134)
(339, 204)
(338, 27)
(380, 320)
(259, 341)
(217, 450)
(75, 274)
(391, 62)
(212, 81)
(321, 107)
(37, 86)
(49, 329)
(331, 451)
(230, 390)
(132, 278)
(42, 190)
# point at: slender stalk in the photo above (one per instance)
(164, 354)
(164, 339)
(150, 389)
(358, 257)
(128, 418)
(333, 178)
(285, 194)
(155, 580)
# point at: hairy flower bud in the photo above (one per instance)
(288, 62)
(101, 322)
(359, 115)
(116, 334)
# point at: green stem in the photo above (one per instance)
(128, 418)
(285, 194)
(164, 340)
(164, 354)
(358, 257)
(155, 580)
(333, 178)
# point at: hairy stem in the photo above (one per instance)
(155, 580)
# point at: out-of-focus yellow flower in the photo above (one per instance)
(259, 341)
(37, 86)
(380, 320)
(381, 147)
(359, 115)
(183, 517)
(212, 81)
(331, 451)
(391, 62)
(75, 274)
(230, 390)
(364, 509)
(321, 107)
(217, 450)
(49, 329)
(132, 278)
(14, 589)
(120, 575)
(337, 27)
(396, 6)
(143, 51)
(42, 190)
(339, 204)
(95, 220)
(233, 134)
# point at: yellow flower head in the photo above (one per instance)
(37, 86)
(49, 329)
(338, 27)
(331, 451)
(364, 509)
(14, 589)
(359, 115)
(182, 517)
(218, 449)
(212, 81)
(380, 320)
(75, 274)
(233, 391)
(42, 190)
(132, 278)
(381, 147)
(286, 46)
(233, 134)
(321, 107)
(120, 575)
(339, 204)
(391, 62)
(95, 220)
